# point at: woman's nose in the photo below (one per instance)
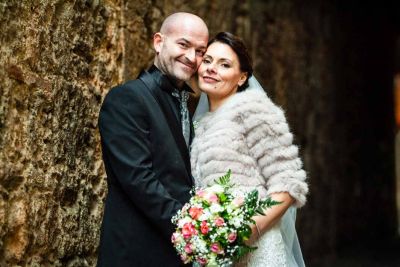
(211, 68)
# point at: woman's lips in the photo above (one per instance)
(209, 79)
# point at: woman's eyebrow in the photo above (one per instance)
(225, 59)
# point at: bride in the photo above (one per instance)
(245, 132)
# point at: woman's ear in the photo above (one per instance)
(157, 42)
(242, 79)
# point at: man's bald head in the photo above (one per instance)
(180, 45)
(182, 19)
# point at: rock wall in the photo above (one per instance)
(58, 58)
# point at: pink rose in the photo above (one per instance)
(188, 230)
(204, 227)
(195, 212)
(219, 221)
(201, 193)
(216, 248)
(188, 248)
(232, 237)
(238, 201)
(202, 261)
(212, 198)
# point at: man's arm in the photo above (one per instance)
(125, 133)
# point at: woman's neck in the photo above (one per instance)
(215, 103)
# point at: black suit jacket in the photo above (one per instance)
(148, 172)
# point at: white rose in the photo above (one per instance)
(216, 188)
(237, 221)
(215, 208)
(205, 216)
(182, 221)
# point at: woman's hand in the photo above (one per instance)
(254, 235)
(272, 216)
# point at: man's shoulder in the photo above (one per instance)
(129, 89)
(130, 92)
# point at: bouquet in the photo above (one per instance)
(212, 228)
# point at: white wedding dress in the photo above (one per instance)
(278, 247)
(270, 251)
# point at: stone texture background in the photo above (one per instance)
(58, 59)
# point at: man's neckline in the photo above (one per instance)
(166, 82)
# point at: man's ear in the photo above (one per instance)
(242, 79)
(157, 42)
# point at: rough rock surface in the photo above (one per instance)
(57, 58)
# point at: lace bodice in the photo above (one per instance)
(270, 251)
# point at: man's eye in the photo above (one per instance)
(183, 45)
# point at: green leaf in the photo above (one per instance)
(265, 204)
(241, 251)
(224, 180)
(244, 232)
(223, 198)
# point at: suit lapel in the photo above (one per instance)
(166, 104)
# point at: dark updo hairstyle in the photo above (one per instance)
(237, 45)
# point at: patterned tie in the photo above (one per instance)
(183, 97)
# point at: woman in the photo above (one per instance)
(248, 134)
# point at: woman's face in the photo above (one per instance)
(219, 73)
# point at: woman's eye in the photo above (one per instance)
(206, 61)
(225, 65)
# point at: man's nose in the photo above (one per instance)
(191, 55)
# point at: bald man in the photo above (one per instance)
(145, 150)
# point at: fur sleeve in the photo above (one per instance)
(270, 142)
